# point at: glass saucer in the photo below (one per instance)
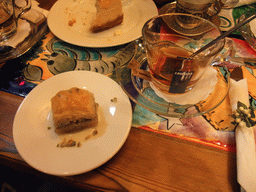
(142, 94)
(170, 8)
(38, 26)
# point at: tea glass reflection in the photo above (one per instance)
(169, 46)
(201, 8)
(10, 11)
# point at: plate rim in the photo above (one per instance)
(63, 173)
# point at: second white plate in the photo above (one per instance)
(136, 13)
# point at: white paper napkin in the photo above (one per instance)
(245, 143)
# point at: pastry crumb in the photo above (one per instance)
(114, 100)
(72, 22)
(87, 137)
(117, 32)
(95, 132)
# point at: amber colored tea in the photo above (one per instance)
(169, 71)
(10, 12)
(7, 25)
(169, 47)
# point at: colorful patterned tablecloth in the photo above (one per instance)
(51, 56)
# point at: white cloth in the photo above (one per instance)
(245, 143)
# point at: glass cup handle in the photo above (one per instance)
(20, 8)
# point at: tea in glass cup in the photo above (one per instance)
(9, 14)
(169, 47)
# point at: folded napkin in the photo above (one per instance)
(245, 143)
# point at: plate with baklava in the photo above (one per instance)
(72, 123)
(100, 23)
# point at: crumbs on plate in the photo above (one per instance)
(80, 15)
(73, 143)
(114, 100)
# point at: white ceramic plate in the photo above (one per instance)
(37, 145)
(136, 13)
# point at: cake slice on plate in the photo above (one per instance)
(109, 14)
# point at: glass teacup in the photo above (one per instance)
(10, 11)
(169, 46)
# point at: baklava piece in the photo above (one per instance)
(74, 110)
